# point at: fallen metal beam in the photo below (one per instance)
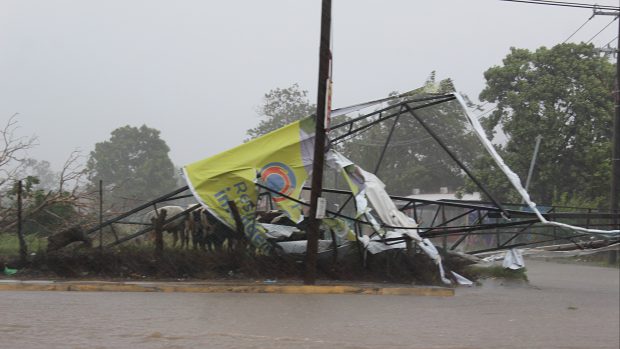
(137, 209)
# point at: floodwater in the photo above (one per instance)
(565, 306)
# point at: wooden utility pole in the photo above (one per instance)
(615, 154)
(319, 143)
(615, 147)
(530, 172)
(615, 170)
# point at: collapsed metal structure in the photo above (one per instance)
(454, 222)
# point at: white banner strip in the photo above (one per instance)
(514, 178)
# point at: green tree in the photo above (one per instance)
(280, 107)
(134, 163)
(563, 94)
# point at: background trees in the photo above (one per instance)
(413, 159)
(50, 200)
(564, 94)
(280, 107)
(133, 164)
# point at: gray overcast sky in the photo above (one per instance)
(197, 70)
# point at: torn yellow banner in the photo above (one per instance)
(280, 160)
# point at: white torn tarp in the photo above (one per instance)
(365, 240)
(385, 207)
(354, 177)
(427, 246)
(299, 247)
(513, 260)
(461, 280)
(367, 186)
(516, 181)
(391, 215)
(277, 231)
(428, 88)
(375, 245)
(540, 252)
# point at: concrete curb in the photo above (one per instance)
(204, 287)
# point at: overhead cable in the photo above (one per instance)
(567, 4)
(485, 113)
(612, 40)
(600, 31)
(578, 29)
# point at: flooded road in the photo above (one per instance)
(565, 306)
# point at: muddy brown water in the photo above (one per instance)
(565, 306)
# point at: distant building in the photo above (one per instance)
(444, 194)
(432, 215)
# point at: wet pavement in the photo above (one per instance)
(565, 306)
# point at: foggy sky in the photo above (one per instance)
(75, 70)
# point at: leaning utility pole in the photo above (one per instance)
(615, 154)
(322, 113)
(615, 172)
(530, 172)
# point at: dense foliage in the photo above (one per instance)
(133, 164)
(563, 94)
(280, 107)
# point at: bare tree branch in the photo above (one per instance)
(69, 190)
(12, 150)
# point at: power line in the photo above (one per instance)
(392, 144)
(578, 29)
(485, 113)
(482, 106)
(600, 31)
(610, 41)
(566, 4)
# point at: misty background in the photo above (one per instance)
(198, 70)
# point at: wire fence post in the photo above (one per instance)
(158, 226)
(23, 249)
(100, 215)
(444, 240)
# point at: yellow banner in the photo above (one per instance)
(280, 160)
